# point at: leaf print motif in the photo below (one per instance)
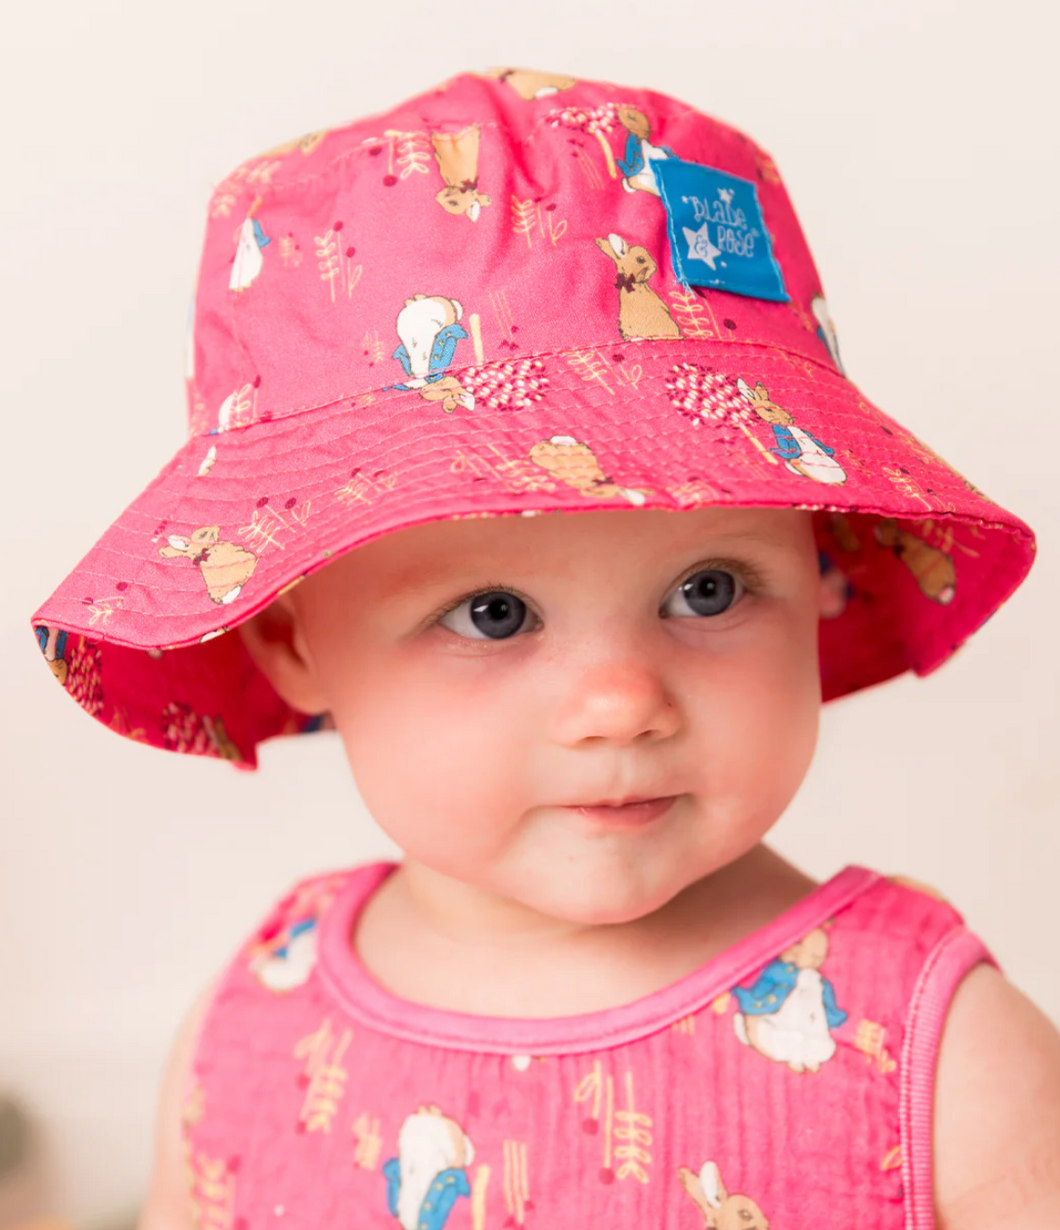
(694, 314)
(336, 265)
(524, 218)
(412, 150)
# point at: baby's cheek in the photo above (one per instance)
(438, 771)
(757, 728)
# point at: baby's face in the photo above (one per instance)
(488, 675)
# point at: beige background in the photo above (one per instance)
(915, 138)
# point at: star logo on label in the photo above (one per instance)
(699, 246)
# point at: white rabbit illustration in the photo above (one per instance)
(826, 330)
(427, 1175)
(289, 966)
(802, 452)
(248, 262)
(797, 1030)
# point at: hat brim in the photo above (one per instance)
(238, 515)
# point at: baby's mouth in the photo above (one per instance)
(632, 811)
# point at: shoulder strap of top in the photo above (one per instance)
(281, 952)
(954, 954)
(278, 954)
(943, 951)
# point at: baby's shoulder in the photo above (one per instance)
(981, 1066)
(902, 909)
(996, 1133)
(904, 943)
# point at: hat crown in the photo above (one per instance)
(514, 294)
(494, 218)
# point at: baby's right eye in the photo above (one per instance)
(495, 615)
(711, 591)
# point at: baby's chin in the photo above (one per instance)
(608, 887)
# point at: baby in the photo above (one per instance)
(589, 994)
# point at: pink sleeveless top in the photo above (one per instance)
(786, 1083)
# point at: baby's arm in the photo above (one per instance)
(997, 1111)
(167, 1205)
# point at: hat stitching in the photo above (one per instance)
(856, 434)
(135, 581)
(363, 148)
(912, 515)
(932, 642)
(611, 344)
(541, 122)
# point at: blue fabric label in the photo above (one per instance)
(717, 236)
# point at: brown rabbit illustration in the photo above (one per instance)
(306, 144)
(640, 153)
(530, 84)
(720, 1210)
(225, 566)
(641, 313)
(801, 451)
(932, 568)
(450, 392)
(575, 464)
(843, 533)
(633, 121)
(226, 749)
(457, 156)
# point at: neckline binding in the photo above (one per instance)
(366, 1000)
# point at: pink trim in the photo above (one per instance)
(370, 1003)
(952, 957)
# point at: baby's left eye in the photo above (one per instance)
(708, 592)
(494, 615)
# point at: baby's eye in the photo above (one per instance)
(708, 592)
(493, 615)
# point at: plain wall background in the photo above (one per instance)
(917, 139)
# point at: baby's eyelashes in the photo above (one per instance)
(495, 615)
(499, 614)
(711, 591)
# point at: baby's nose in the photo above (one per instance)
(617, 702)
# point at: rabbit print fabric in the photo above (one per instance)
(722, 1099)
(515, 293)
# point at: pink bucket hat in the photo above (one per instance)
(517, 292)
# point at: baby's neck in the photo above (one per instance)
(410, 938)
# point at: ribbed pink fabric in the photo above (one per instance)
(787, 1082)
(955, 954)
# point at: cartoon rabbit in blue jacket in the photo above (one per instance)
(802, 452)
(248, 261)
(52, 643)
(429, 1172)
(640, 153)
(788, 1014)
(429, 327)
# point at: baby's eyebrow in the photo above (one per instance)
(423, 577)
